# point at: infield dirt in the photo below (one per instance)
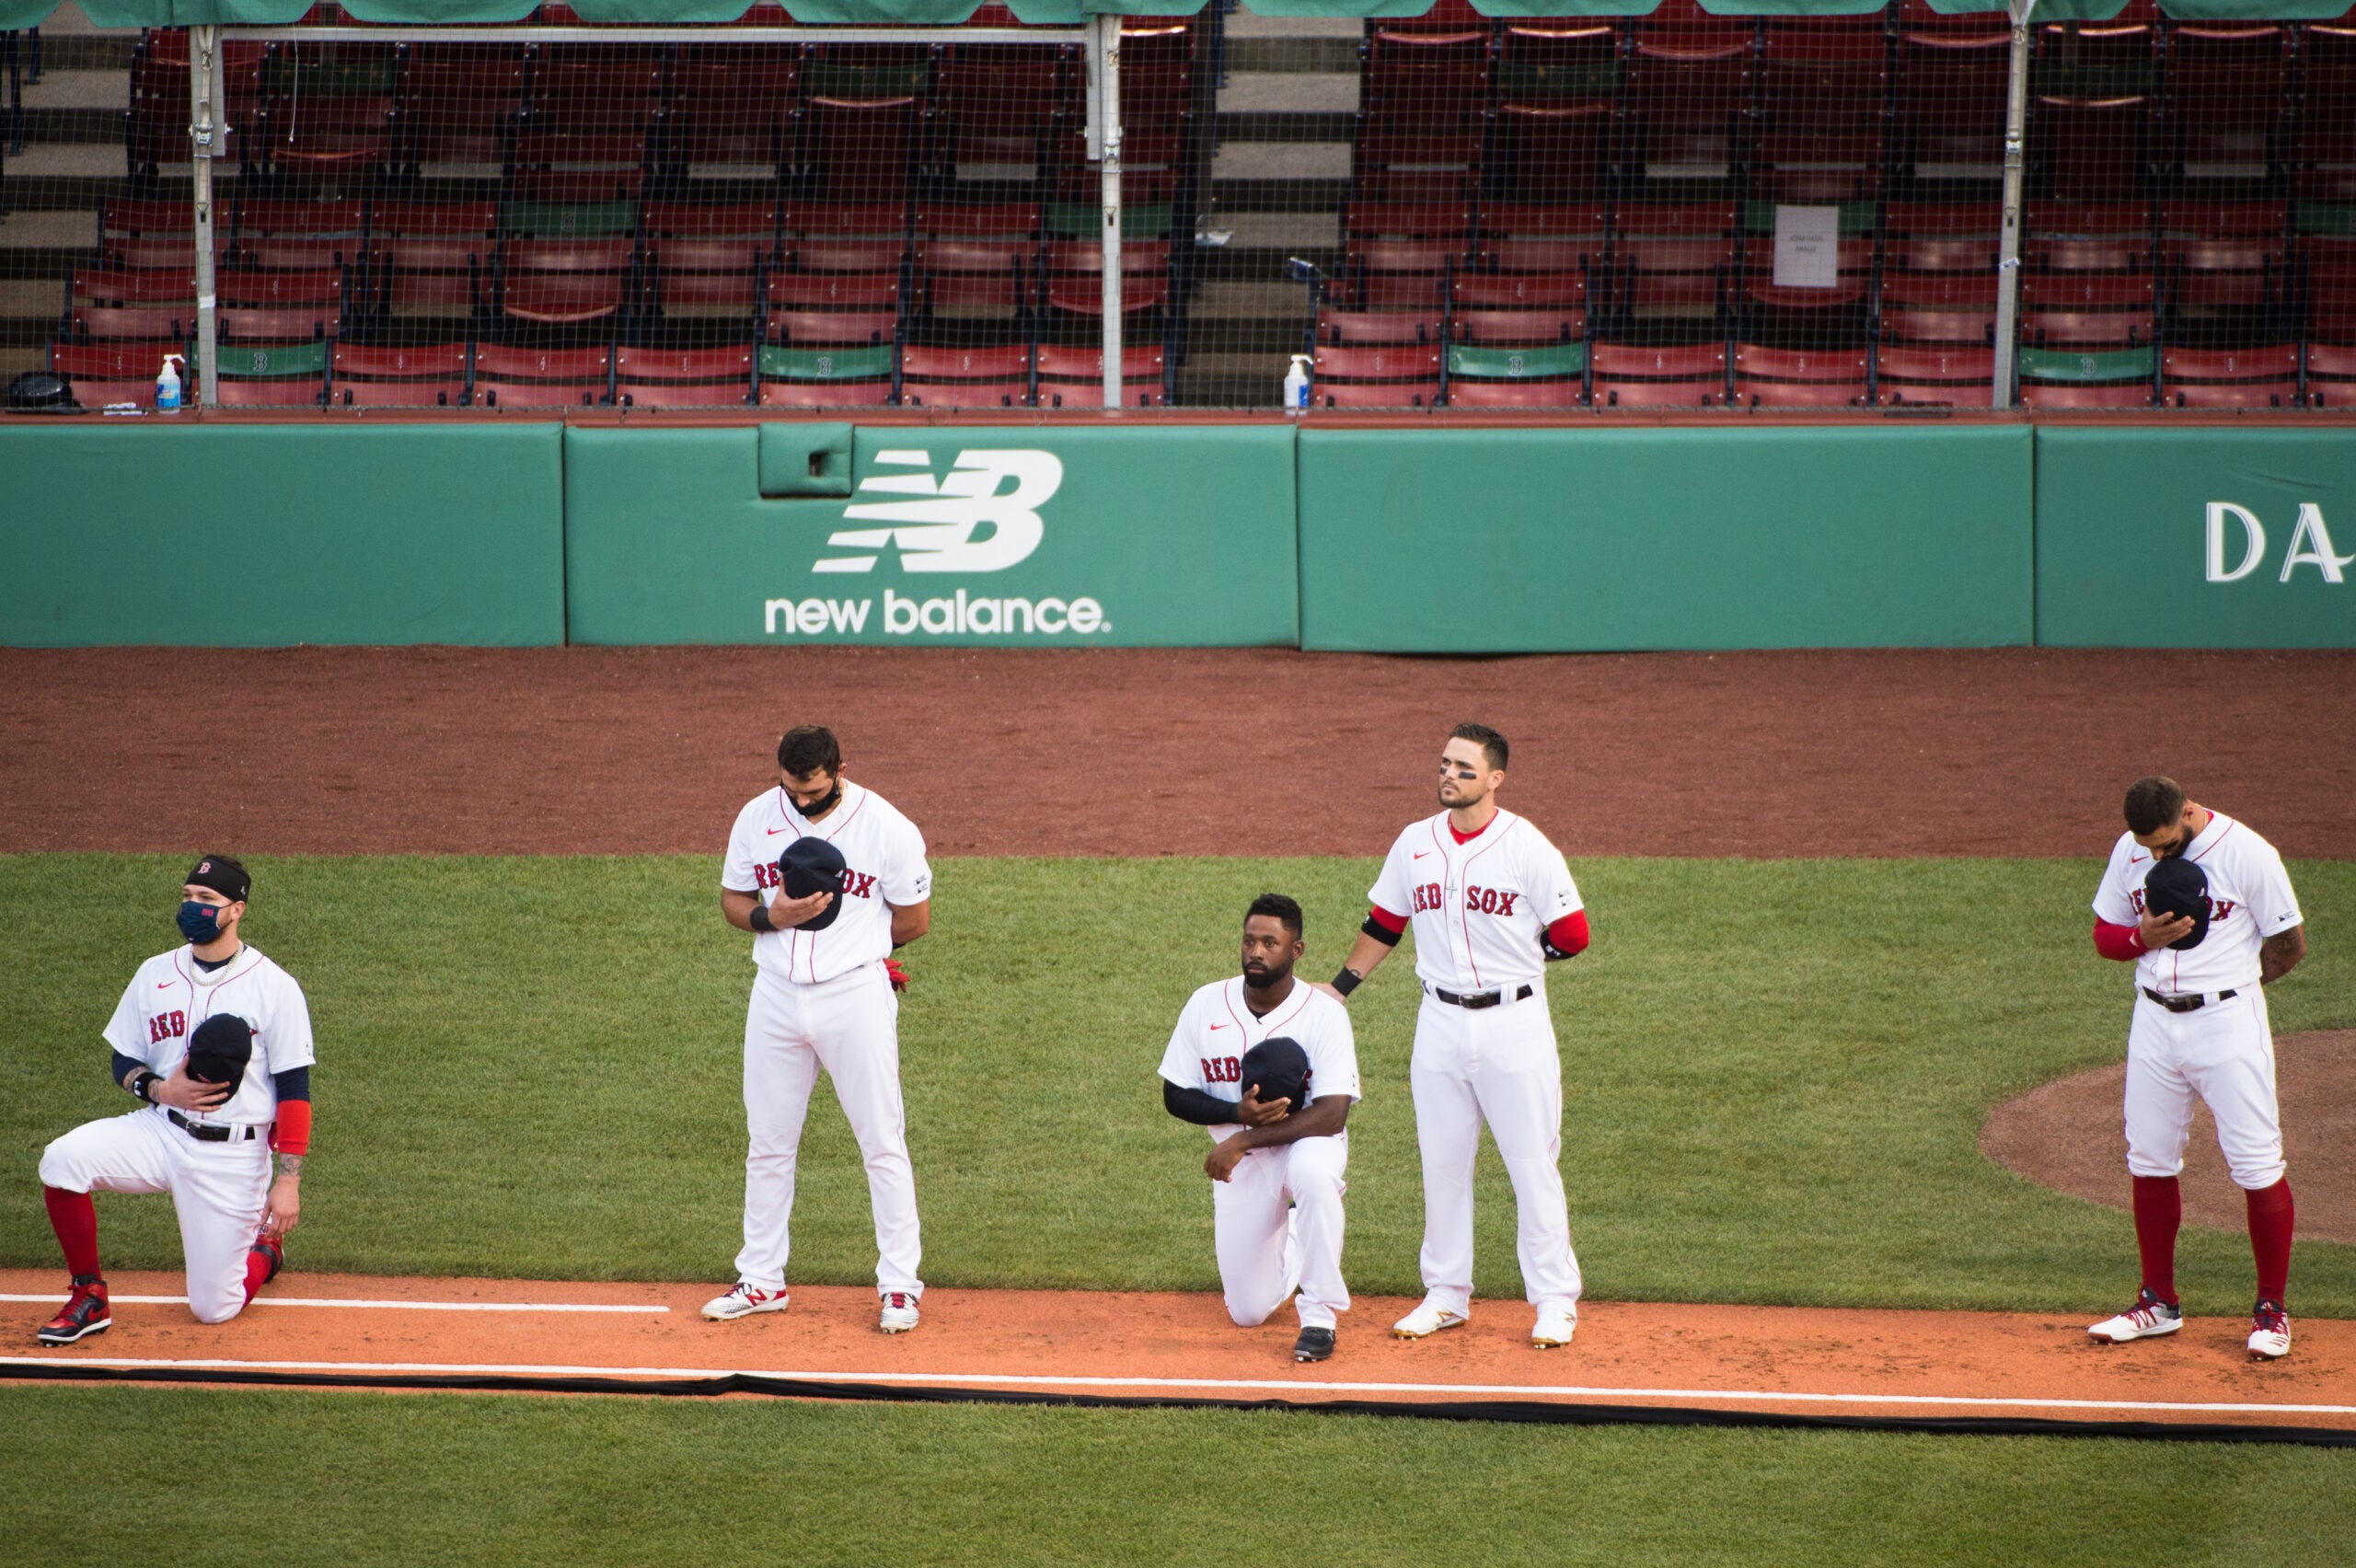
(1199, 752)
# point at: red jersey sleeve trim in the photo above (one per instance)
(1395, 924)
(1569, 934)
(2124, 943)
(291, 1133)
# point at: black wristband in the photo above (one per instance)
(1380, 932)
(1349, 980)
(143, 1082)
(759, 919)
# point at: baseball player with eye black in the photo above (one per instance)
(1492, 903)
(215, 1041)
(829, 879)
(2202, 906)
(1267, 1064)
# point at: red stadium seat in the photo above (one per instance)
(683, 393)
(489, 394)
(92, 393)
(291, 392)
(832, 328)
(1376, 393)
(113, 361)
(1632, 376)
(1359, 327)
(2114, 395)
(1565, 393)
(825, 394)
(1074, 377)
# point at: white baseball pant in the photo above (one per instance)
(2225, 1054)
(218, 1188)
(1497, 1065)
(849, 1025)
(1267, 1249)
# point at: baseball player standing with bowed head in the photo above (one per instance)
(1492, 903)
(216, 1040)
(2202, 906)
(824, 996)
(1276, 1159)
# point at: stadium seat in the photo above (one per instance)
(2330, 371)
(2224, 103)
(1375, 376)
(704, 274)
(820, 378)
(1549, 375)
(515, 376)
(708, 377)
(1769, 378)
(1944, 374)
(434, 376)
(999, 103)
(1557, 108)
(2230, 378)
(1396, 255)
(430, 256)
(731, 105)
(577, 167)
(1824, 109)
(278, 376)
(116, 360)
(458, 104)
(2088, 377)
(1419, 132)
(1627, 375)
(94, 393)
(311, 137)
(99, 323)
(560, 282)
(1360, 327)
(1690, 94)
(1669, 258)
(1073, 277)
(1074, 377)
(1951, 91)
(966, 377)
(534, 395)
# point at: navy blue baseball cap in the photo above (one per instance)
(813, 865)
(2177, 886)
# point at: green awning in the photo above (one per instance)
(946, 12)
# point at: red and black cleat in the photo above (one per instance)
(272, 1249)
(85, 1314)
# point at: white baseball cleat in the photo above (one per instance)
(2269, 1331)
(1427, 1320)
(1555, 1327)
(899, 1313)
(743, 1302)
(2148, 1319)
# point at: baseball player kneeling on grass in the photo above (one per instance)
(829, 879)
(1267, 1064)
(216, 1040)
(1492, 904)
(2200, 905)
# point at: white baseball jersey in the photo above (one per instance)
(2249, 900)
(1215, 1029)
(882, 852)
(1480, 906)
(170, 995)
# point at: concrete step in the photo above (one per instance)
(73, 125)
(1292, 126)
(1313, 56)
(1261, 92)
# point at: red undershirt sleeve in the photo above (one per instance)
(2124, 943)
(291, 1133)
(1569, 934)
(1395, 924)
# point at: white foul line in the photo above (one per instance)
(359, 1301)
(1289, 1385)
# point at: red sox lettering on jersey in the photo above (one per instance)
(1478, 906)
(883, 852)
(2249, 900)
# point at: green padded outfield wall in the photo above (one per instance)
(1545, 540)
(1014, 536)
(263, 536)
(2196, 538)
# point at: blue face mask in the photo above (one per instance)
(199, 923)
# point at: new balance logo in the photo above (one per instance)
(938, 529)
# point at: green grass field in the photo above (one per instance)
(237, 1477)
(1774, 1072)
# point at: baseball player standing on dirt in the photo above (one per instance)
(215, 1040)
(2200, 905)
(1277, 1207)
(1492, 904)
(824, 996)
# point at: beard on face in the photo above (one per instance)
(1262, 976)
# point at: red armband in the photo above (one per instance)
(291, 1133)
(2124, 943)
(1569, 934)
(1395, 924)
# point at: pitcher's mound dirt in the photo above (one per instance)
(2067, 1135)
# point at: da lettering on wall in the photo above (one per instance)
(1019, 535)
(2196, 538)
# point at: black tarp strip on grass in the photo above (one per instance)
(1530, 1412)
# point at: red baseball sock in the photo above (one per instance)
(2159, 1211)
(256, 1271)
(2271, 1214)
(75, 1220)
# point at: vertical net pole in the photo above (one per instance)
(1106, 104)
(2008, 252)
(204, 129)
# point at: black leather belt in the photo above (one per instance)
(2186, 1004)
(205, 1133)
(1480, 1000)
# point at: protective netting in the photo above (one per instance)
(1674, 210)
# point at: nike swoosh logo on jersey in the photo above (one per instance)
(1421, 853)
(1216, 1027)
(2135, 860)
(775, 831)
